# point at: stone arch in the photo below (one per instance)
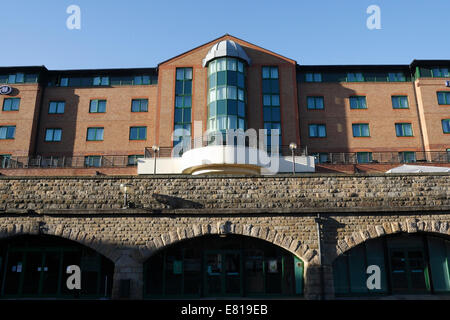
(294, 246)
(411, 225)
(61, 231)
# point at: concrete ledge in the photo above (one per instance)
(230, 211)
(184, 176)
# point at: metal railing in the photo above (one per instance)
(104, 161)
(417, 157)
(166, 152)
(112, 161)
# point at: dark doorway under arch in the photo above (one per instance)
(220, 266)
(36, 267)
(417, 263)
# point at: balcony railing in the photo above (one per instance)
(382, 157)
(121, 161)
(104, 161)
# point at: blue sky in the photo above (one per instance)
(142, 33)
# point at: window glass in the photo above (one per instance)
(241, 109)
(240, 66)
(221, 93)
(31, 78)
(275, 100)
(188, 73)
(20, 78)
(266, 72)
(180, 74)
(274, 73)
(56, 107)
(364, 157)
(317, 77)
(231, 64)
(212, 95)
(95, 134)
(231, 93)
(446, 125)
(444, 98)
(11, 104)
(358, 102)
(7, 132)
(403, 129)
(221, 64)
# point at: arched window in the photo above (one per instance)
(35, 267)
(409, 264)
(223, 266)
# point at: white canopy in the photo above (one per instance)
(417, 169)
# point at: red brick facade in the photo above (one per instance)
(424, 113)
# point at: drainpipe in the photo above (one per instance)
(319, 242)
(419, 118)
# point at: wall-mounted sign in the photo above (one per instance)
(5, 90)
(273, 266)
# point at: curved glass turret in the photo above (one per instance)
(227, 94)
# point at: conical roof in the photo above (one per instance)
(226, 48)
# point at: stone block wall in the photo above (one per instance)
(280, 209)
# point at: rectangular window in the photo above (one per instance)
(97, 106)
(132, 160)
(361, 130)
(315, 103)
(400, 102)
(403, 129)
(139, 105)
(355, 77)
(321, 157)
(317, 131)
(101, 81)
(270, 72)
(31, 78)
(93, 161)
(95, 134)
(440, 72)
(358, 102)
(396, 76)
(271, 104)
(407, 156)
(11, 104)
(313, 77)
(53, 135)
(183, 104)
(56, 107)
(364, 157)
(138, 133)
(64, 82)
(7, 132)
(444, 98)
(5, 160)
(446, 125)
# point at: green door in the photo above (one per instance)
(223, 273)
(409, 273)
